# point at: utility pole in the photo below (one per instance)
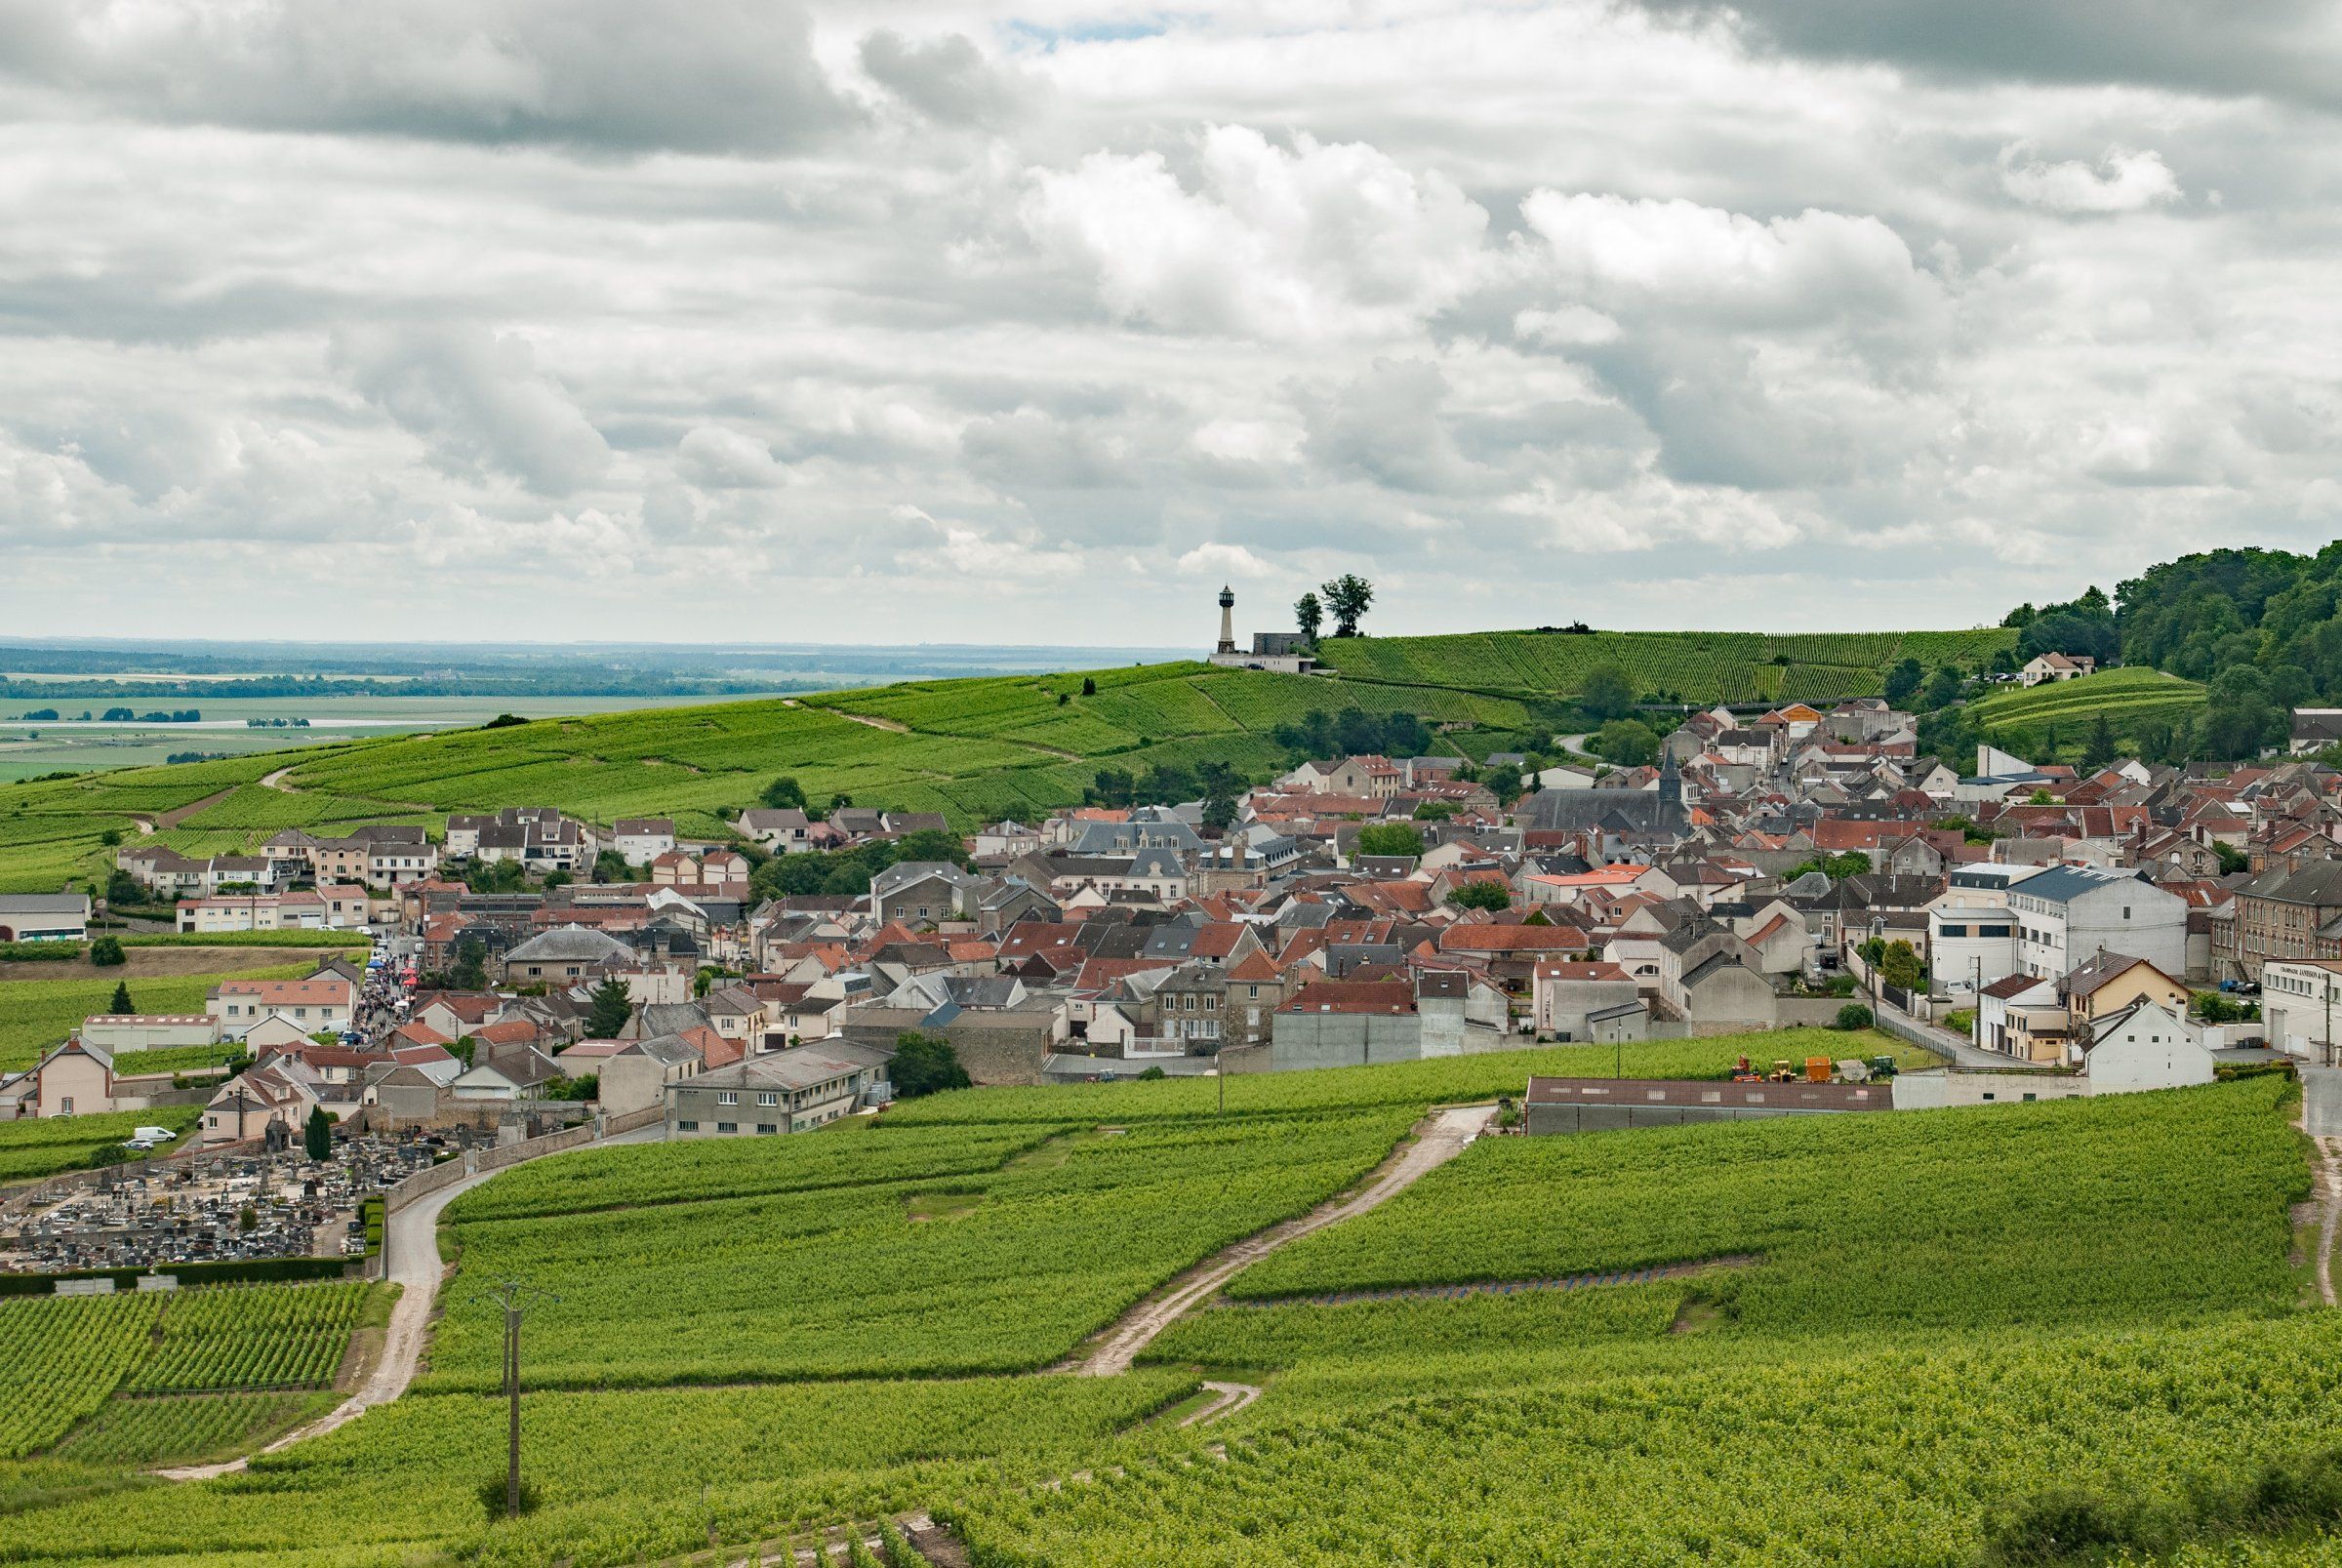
(514, 1298)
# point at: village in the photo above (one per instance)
(2040, 932)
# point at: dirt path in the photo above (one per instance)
(276, 780)
(414, 1266)
(893, 725)
(1230, 1397)
(1443, 1136)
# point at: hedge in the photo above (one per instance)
(228, 1271)
(248, 939)
(40, 953)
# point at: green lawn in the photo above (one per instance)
(38, 1013)
(972, 749)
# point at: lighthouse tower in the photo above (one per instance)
(1228, 621)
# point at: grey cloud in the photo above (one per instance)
(718, 76)
(2287, 49)
(1715, 421)
(945, 79)
(1386, 426)
(477, 403)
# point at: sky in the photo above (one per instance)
(746, 321)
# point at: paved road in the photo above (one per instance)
(1448, 1133)
(2321, 1101)
(1961, 1052)
(412, 1242)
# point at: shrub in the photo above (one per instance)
(1854, 1016)
(107, 951)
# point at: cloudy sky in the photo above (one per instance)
(881, 323)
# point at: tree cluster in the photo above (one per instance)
(848, 872)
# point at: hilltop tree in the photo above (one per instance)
(121, 1005)
(611, 1007)
(1309, 614)
(1608, 693)
(1347, 599)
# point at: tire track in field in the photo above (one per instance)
(1501, 1287)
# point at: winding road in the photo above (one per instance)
(1442, 1137)
(411, 1242)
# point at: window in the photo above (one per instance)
(768, 1098)
(727, 1098)
(727, 1127)
(763, 1127)
(2030, 1096)
(687, 1126)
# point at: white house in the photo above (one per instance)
(642, 839)
(2147, 1046)
(2043, 668)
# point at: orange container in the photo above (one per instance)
(1817, 1070)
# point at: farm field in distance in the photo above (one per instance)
(1610, 1422)
(971, 748)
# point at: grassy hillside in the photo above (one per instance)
(1690, 666)
(1011, 745)
(2052, 722)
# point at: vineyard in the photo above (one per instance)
(253, 1337)
(841, 1279)
(184, 1429)
(64, 1358)
(2073, 1241)
(1931, 1318)
(1688, 666)
(2053, 720)
(60, 1358)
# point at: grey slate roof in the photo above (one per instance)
(570, 945)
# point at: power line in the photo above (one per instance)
(514, 1298)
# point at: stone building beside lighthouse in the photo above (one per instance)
(1286, 652)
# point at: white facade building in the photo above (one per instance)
(2069, 913)
(2301, 1006)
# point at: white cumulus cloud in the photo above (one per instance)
(2120, 182)
(1325, 240)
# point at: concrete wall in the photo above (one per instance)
(1934, 1090)
(1303, 1040)
(1572, 1119)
